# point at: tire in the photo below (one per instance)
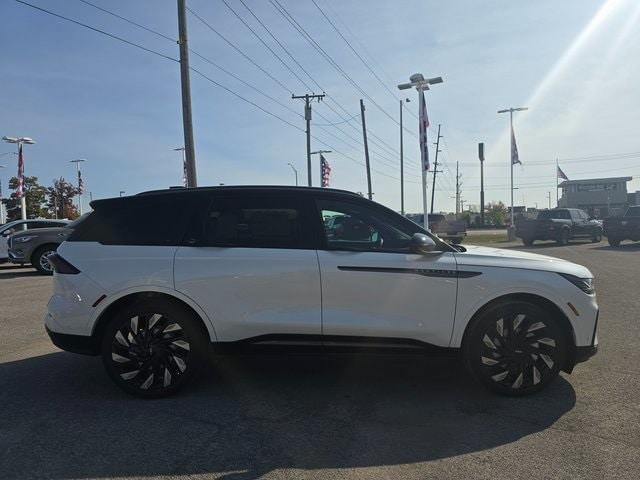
(456, 240)
(514, 348)
(39, 259)
(596, 237)
(527, 241)
(563, 237)
(613, 241)
(153, 348)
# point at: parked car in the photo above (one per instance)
(559, 224)
(622, 228)
(21, 225)
(241, 268)
(452, 231)
(35, 245)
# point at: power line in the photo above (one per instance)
(102, 32)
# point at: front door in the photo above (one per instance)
(253, 267)
(373, 286)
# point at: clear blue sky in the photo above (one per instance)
(575, 63)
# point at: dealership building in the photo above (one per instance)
(599, 197)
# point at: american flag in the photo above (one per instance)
(515, 158)
(80, 183)
(561, 174)
(20, 190)
(424, 123)
(325, 170)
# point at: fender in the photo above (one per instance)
(109, 300)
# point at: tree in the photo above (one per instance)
(496, 213)
(34, 194)
(60, 199)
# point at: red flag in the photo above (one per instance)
(325, 170)
(561, 174)
(20, 190)
(424, 123)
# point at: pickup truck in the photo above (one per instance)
(622, 228)
(452, 231)
(559, 224)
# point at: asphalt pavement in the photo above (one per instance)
(345, 417)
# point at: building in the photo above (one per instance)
(599, 197)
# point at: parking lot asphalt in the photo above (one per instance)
(346, 417)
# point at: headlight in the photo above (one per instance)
(584, 284)
(24, 239)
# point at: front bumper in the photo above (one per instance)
(73, 343)
(585, 353)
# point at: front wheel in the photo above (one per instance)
(527, 241)
(153, 348)
(596, 237)
(40, 261)
(563, 237)
(514, 348)
(613, 241)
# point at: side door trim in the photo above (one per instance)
(425, 272)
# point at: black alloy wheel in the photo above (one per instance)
(515, 349)
(153, 349)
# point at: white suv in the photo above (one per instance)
(156, 281)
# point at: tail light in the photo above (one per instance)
(60, 265)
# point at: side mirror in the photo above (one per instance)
(421, 243)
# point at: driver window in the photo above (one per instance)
(355, 227)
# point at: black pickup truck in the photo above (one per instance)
(559, 224)
(622, 228)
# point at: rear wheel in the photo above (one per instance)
(527, 241)
(514, 348)
(563, 237)
(153, 348)
(39, 259)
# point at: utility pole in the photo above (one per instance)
(481, 157)
(366, 149)
(295, 171)
(458, 184)
(307, 117)
(435, 168)
(80, 186)
(187, 122)
(402, 157)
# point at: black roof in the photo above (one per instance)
(228, 188)
(235, 188)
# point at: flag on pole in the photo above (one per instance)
(20, 190)
(515, 158)
(325, 170)
(561, 174)
(80, 183)
(424, 123)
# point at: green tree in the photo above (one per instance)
(496, 213)
(60, 199)
(34, 195)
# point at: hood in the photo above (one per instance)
(42, 231)
(500, 257)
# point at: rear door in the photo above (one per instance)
(250, 263)
(373, 286)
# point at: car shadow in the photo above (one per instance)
(11, 274)
(623, 247)
(62, 418)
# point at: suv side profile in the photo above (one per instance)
(306, 268)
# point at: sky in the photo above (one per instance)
(81, 94)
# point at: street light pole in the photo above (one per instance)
(122, 192)
(294, 171)
(80, 187)
(20, 141)
(511, 231)
(421, 84)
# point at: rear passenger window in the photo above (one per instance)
(144, 220)
(254, 222)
